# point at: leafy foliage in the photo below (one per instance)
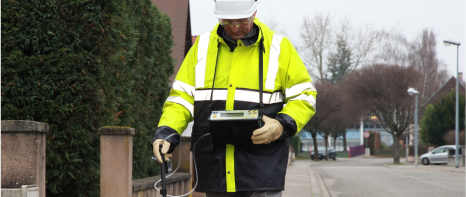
(79, 65)
(295, 142)
(339, 63)
(439, 118)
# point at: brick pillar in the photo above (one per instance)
(23, 154)
(116, 161)
(185, 155)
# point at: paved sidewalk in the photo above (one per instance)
(302, 181)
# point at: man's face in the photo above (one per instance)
(238, 28)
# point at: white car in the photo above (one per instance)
(438, 155)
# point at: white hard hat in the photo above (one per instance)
(235, 9)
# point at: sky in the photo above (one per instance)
(447, 18)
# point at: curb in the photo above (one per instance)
(318, 184)
(427, 169)
(315, 191)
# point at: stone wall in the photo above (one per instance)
(24, 191)
(23, 155)
(177, 184)
(116, 147)
(451, 160)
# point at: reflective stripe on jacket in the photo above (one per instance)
(289, 97)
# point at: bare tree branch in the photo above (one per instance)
(381, 89)
(321, 35)
(317, 41)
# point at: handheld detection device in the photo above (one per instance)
(237, 126)
(163, 191)
(233, 126)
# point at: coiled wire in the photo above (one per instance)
(179, 159)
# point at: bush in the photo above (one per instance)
(384, 146)
(79, 65)
(295, 142)
(450, 137)
(373, 142)
(440, 118)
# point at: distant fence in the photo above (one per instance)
(356, 150)
(420, 150)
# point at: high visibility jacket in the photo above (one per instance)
(289, 97)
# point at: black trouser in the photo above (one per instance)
(245, 194)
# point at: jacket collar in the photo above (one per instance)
(263, 29)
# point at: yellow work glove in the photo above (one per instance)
(165, 147)
(270, 132)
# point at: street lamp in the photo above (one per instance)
(412, 91)
(448, 43)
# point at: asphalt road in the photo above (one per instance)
(368, 177)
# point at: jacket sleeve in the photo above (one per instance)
(179, 107)
(300, 93)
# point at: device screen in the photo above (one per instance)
(227, 115)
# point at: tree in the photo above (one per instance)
(423, 57)
(381, 90)
(340, 62)
(336, 123)
(324, 40)
(331, 50)
(81, 65)
(394, 49)
(450, 137)
(439, 119)
(295, 142)
(328, 105)
(317, 40)
(335, 134)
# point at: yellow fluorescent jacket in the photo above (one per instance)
(289, 96)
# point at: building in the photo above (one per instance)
(444, 89)
(178, 11)
(307, 143)
(354, 135)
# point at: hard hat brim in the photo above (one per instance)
(226, 10)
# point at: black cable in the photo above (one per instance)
(179, 159)
(261, 77)
(213, 82)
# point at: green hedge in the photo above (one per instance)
(79, 65)
(295, 142)
(439, 118)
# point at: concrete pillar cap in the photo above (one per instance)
(116, 130)
(24, 125)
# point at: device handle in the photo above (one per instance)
(163, 191)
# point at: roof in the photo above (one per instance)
(178, 11)
(444, 89)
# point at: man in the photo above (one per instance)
(226, 61)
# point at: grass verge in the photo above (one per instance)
(396, 164)
(342, 154)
